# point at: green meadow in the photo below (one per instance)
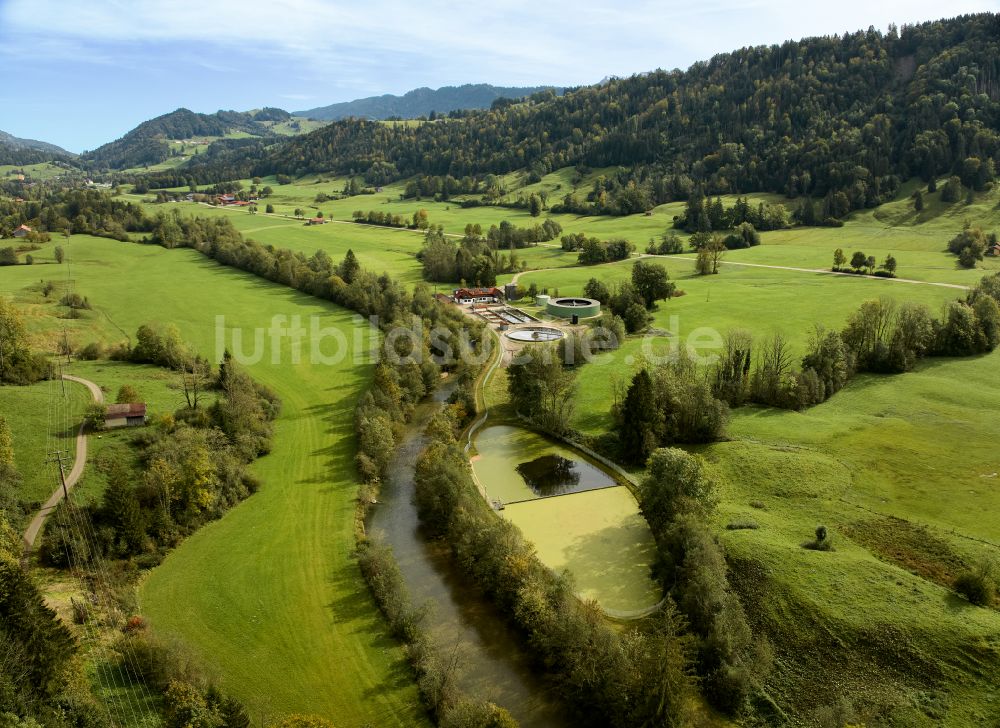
(44, 417)
(902, 472)
(900, 469)
(268, 599)
(44, 171)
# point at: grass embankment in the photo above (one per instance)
(268, 598)
(899, 469)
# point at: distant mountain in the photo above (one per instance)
(14, 150)
(422, 101)
(149, 144)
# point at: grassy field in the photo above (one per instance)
(267, 598)
(901, 470)
(45, 171)
(917, 240)
(42, 420)
(381, 249)
(44, 417)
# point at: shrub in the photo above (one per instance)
(90, 352)
(977, 587)
(303, 721)
(471, 714)
(744, 524)
(381, 571)
(127, 395)
(94, 416)
(822, 542)
(75, 301)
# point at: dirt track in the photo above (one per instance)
(74, 474)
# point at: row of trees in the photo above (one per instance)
(702, 215)
(594, 250)
(677, 498)
(864, 264)
(676, 402)
(508, 235)
(376, 217)
(881, 337)
(476, 259)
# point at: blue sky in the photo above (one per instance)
(79, 73)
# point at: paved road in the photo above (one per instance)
(74, 474)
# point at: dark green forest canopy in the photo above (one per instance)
(147, 143)
(855, 113)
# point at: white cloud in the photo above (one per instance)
(352, 43)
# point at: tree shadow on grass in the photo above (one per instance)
(338, 430)
(354, 610)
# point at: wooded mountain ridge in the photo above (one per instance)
(852, 114)
(422, 101)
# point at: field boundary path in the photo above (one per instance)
(824, 271)
(74, 474)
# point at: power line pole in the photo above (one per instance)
(57, 456)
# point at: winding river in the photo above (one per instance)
(493, 664)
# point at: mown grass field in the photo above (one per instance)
(268, 598)
(42, 421)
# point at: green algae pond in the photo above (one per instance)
(580, 518)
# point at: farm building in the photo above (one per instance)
(22, 231)
(317, 221)
(477, 295)
(125, 415)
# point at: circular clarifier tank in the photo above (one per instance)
(570, 307)
(535, 334)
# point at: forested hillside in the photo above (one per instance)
(421, 102)
(14, 150)
(852, 114)
(147, 143)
